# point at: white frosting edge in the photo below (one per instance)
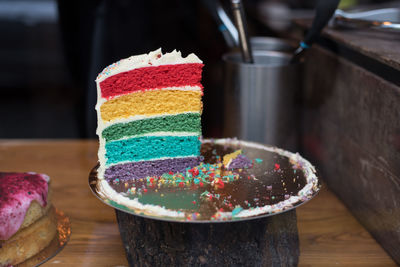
(102, 100)
(107, 191)
(161, 158)
(158, 134)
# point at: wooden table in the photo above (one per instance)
(329, 234)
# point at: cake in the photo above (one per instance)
(151, 159)
(149, 109)
(27, 219)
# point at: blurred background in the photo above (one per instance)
(51, 52)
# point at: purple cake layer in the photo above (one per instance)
(143, 169)
(241, 161)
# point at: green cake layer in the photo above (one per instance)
(152, 147)
(186, 122)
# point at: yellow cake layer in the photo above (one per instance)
(151, 103)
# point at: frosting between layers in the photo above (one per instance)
(17, 191)
(162, 158)
(193, 133)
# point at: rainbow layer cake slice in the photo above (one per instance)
(149, 109)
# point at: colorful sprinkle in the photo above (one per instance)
(236, 210)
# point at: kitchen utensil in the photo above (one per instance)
(225, 24)
(241, 25)
(259, 100)
(323, 12)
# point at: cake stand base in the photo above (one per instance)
(268, 241)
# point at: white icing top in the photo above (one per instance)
(154, 58)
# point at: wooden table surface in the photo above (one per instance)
(329, 234)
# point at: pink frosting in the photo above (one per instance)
(17, 191)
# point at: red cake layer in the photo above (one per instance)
(188, 74)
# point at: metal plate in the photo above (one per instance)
(57, 244)
(271, 180)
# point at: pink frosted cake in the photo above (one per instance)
(27, 221)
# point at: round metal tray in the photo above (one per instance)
(271, 181)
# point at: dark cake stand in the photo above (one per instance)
(199, 237)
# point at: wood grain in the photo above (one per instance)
(352, 132)
(271, 241)
(329, 235)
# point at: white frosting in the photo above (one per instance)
(159, 134)
(161, 158)
(305, 193)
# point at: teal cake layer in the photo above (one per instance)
(186, 122)
(151, 147)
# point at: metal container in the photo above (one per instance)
(260, 98)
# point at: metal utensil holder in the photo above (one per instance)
(260, 98)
